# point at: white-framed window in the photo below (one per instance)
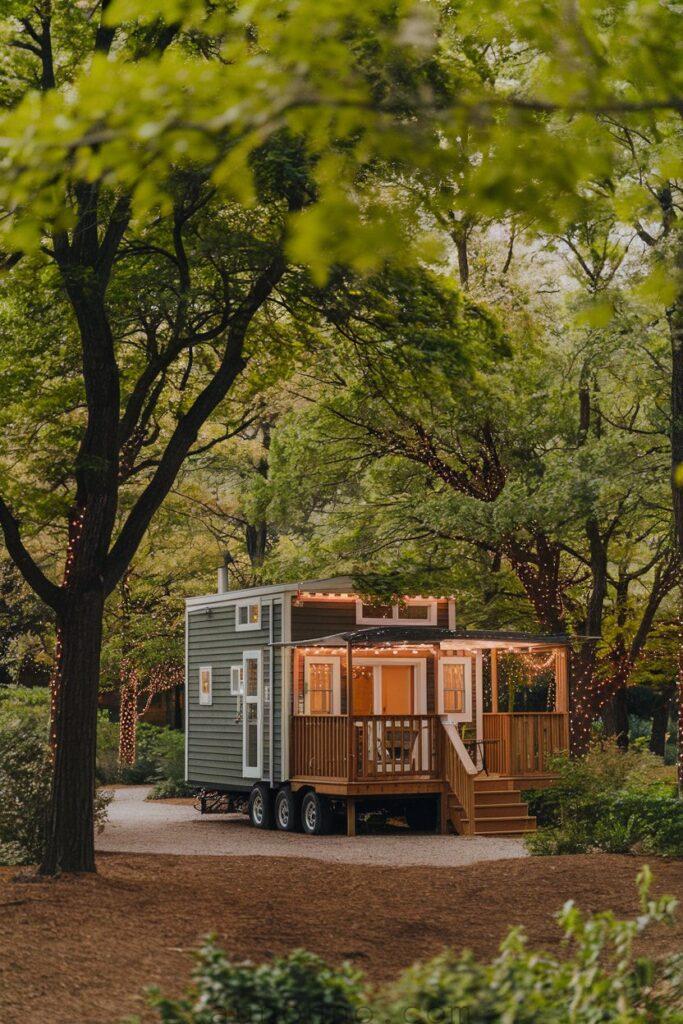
(455, 688)
(248, 614)
(322, 686)
(236, 680)
(252, 722)
(412, 612)
(206, 685)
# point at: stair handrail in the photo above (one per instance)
(460, 771)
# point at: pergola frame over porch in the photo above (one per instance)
(519, 741)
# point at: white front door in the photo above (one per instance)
(252, 736)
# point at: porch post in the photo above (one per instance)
(494, 681)
(350, 815)
(479, 703)
(351, 768)
(443, 812)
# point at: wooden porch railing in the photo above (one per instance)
(459, 772)
(418, 746)
(525, 741)
(382, 747)
(319, 746)
(387, 746)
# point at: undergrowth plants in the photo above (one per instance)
(599, 979)
(612, 800)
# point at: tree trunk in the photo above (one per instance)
(69, 841)
(256, 537)
(581, 697)
(660, 720)
(178, 722)
(675, 318)
(615, 718)
(128, 716)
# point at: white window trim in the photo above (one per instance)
(251, 771)
(336, 682)
(205, 702)
(245, 626)
(460, 716)
(365, 620)
(237, 691)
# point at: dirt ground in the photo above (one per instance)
(80, 950)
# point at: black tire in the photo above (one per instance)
(287, 811)
(316, 815)
(421, 814)
(261, 806)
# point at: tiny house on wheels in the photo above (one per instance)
(304, 701)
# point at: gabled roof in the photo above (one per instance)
(330, 585)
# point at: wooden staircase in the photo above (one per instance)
(498, 809)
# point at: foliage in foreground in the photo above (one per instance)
(611, 800)
(601, 979)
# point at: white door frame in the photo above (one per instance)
(251, 771)
(466, 714)
(419, 680)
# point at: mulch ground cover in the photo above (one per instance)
(81, 949)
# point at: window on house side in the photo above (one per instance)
(236, 681)
(453, 689)
(248, 615)
(418, 613)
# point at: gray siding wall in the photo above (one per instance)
(214, 737)
(322, 618)
(315, 619)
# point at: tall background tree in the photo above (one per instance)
(169, 171)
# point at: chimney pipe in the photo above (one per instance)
(224, 574)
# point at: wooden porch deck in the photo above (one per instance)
(364, 755)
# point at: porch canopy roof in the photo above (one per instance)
(392, 636)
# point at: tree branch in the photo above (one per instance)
(187, 429)
(48, 591)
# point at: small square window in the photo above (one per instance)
(415, 611)
(412, 612)
(248, 615)
(377, 611)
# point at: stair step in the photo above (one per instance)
(502, 825)
(483, 784)
(518, 810)
(511, 832)
(496, 796)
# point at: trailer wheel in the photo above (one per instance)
(316, 815)
(261, 806)
(287, 810)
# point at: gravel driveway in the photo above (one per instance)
(137, 825)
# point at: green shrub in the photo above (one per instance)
(107, 762)
(171, 770)
(160, 757)
(296, 989)
(25, 776)
(598, 979)
(610, 800)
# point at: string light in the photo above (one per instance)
(75, 532)
(160, 679)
